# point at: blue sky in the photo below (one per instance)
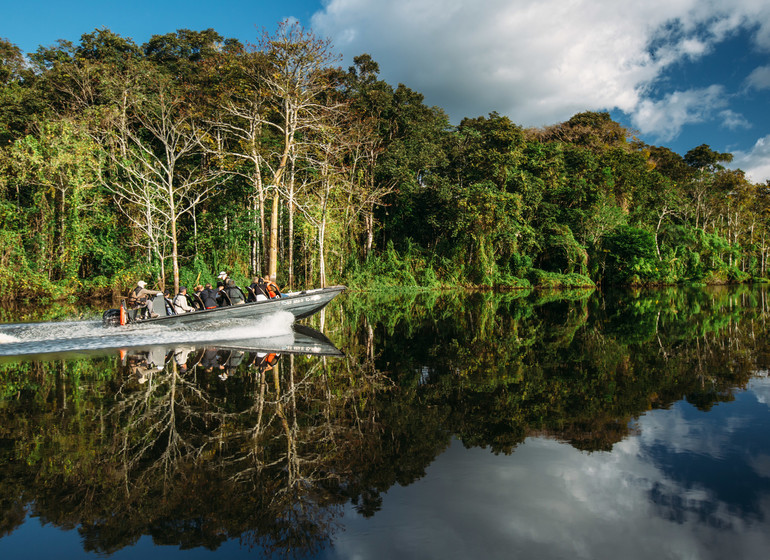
(680, 72)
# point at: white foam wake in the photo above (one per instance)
(60, 337)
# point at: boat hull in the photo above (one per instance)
(300, 304)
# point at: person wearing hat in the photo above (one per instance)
(222, 279)
(181, 305)
(141, 298)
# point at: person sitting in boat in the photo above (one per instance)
(197, 300)
(141, 298)
(181, 305)
(209, 297)
(270, 288)
(222, 279)
(169, 304)
(257, 290)
(223, 299)
(234, 294)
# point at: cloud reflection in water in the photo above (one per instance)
(689, 485)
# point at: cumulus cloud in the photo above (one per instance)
(541, 61)
(664, 118)
(756, 162)
(732, 120)
(760, 387)
(759, 79)
(549, 500)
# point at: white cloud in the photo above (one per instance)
(666, 117)
(756, 162)
(541, 61)
(759, 78)
(760, 386)
(732, 120)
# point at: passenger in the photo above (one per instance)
(222, 279)
(168, 303)
(271, 288)
(197, 299)
(141, 298)
(181, 305)
(209, 297)
(234, 293)
(223, 298)
(255, 290)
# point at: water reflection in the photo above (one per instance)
(667, 492)
(589, 426)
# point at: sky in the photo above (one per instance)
(679, 73)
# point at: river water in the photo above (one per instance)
(628, 424)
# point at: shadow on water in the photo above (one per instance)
(267, 439)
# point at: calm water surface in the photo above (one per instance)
(620, 425)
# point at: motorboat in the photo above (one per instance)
(300, 304)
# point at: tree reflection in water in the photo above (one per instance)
(198, 445)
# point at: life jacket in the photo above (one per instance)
(269, 361)
(272, 290)
(134, 300)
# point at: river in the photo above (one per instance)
(627, 424)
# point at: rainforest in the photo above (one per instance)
(194, 153)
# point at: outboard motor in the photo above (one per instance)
(111, 318)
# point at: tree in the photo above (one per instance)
(295, 85)
(160, 171)
(56, 172)
(368, 98)
(12, 65)
(704, 158)
(18, 98)
(239, 126)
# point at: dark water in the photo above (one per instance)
(620, 425)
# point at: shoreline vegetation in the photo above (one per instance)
(193, 153)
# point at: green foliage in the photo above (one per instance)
(407, 270)
(630, 256)
(402, 198)
(554, 280)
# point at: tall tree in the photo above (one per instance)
(240, 130)
(158, 155)
(296, 84)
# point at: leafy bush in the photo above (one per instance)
(554, 280)
(630, 256)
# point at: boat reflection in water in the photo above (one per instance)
(226, 357)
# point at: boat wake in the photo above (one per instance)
(84, 336)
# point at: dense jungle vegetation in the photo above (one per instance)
(193, 153)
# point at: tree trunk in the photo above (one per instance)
(369, 218)
(321, 259)
(291, 229)
(273, 270)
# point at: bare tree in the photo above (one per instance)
(296, 86)
(158, 154)
(243, 111)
